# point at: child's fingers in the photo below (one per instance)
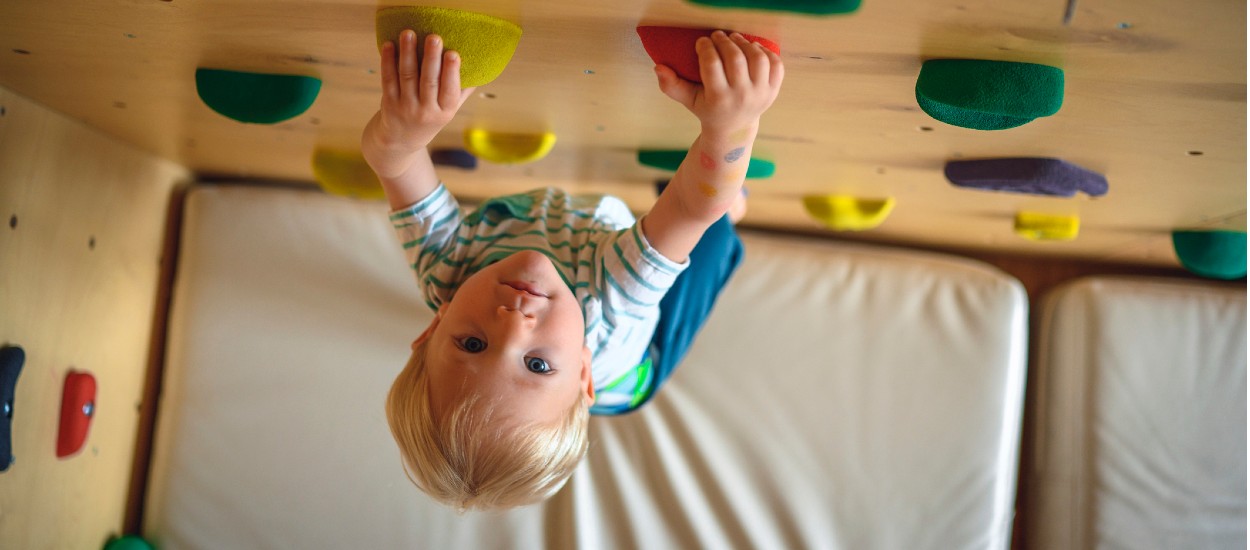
(431, 69)
(679, 89)
(731, 57)
(758, 63)
(449, 82)
(408, 64)
(711, 70)
(776, 69)
(390, 78)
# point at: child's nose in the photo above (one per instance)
(515, 316)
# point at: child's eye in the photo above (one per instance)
(537, 365)
(472, 344)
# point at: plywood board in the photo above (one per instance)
(1155, 100)
(79, 263)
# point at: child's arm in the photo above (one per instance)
(740, 81)
(417, 101)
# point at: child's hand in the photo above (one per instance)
(740, 81)
(418, 100)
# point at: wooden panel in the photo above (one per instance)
(79, 262)
(1155, 100)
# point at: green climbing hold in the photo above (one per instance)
(258, 98)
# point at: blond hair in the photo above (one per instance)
(466, 461)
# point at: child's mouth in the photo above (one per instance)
(525, 287)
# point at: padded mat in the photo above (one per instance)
(841, 396)
(1140, 419)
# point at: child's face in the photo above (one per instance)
(513, 333)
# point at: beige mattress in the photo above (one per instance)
(840, 397)
(1140, 431)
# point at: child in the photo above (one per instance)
(550, 305)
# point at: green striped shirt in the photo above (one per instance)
(594, 242)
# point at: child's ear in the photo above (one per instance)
(425, 335)
(588, 381)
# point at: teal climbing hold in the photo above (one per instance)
(805, 7)
(1215, 254)
(670, 159)
(128, 542)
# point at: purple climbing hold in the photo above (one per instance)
(1034, 176)
(458, 158)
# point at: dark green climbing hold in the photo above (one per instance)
(258, 98)
(988, 95)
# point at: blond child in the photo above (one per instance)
(548, 306)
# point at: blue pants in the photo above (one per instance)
(686, 306)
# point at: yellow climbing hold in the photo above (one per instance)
(345, 173)
(504, 148)
(845, 213)
(485, 43)
(1047, 227)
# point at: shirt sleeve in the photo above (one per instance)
(634, 276)
(427, 231)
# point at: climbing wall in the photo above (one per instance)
(103, 108)
(80, 257)
(1151, 101)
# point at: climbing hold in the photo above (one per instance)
(11, 360)
(345, 173)
(258, 98)
(845, 213)
(1034, 176)
(1216, 254)
(458, 158)
(485, 43)
(808, 7)
(670, 159)
(1047, 227)
(674, 47)
(506, 148)
(77, 409)
(128, 542)
(988, 95)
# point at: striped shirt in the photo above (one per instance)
(594, 242)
